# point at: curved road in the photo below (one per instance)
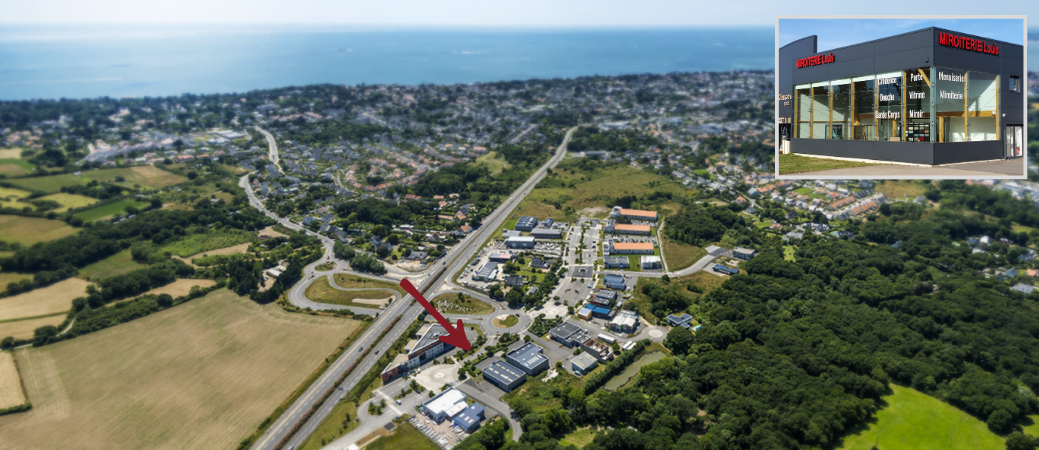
(406, 309)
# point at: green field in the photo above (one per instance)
(143, 176)
(492, 162)
(680, 255)
(50, 184)
(580, 438)
(108, 210)
(15, 166)
(804, 190)
(791, 163)
(593, 189)
(349, 282)
(211, 240)
(116, 264)
(345, 413)
(633, 370)
(404, 437)
(898, 190)
(468, 305)
(539, 393)
(30, 230)
(322, 292)
(912, 420)
(1032, 428)
(69, 201)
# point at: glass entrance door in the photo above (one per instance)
(1014, 134)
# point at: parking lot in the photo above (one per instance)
(445, 434)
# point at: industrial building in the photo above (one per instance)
(931, 96)
(725, 269)
(624, 322)
(630, 248)
(617, 262)
(501, 257)
(529, 358)
(488, 272)
(604, 297)
(603, 313)
(445, 405)
(568, 334)
(469, 419)
(743, 253)
(615, 282)
(520, 242)
(634, 214)
(504, 375)
(598, 349)
(526, 223)
(547, 233)
(583, 363)
(650, 262)
(623, 228)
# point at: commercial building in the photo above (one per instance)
(604, 297)
(634, 214)
(526, 223)
(487, 273)
(650, 262)
(501, 257)
(623, 228)
(445, 405)
(743, 253)
(520, 242)
(598, 349)
(547, 233)
(469, 419)
(586, 312)
(617, 262)
(529, 358)
(504, 375)
(615, 282)
(725, 269)
(630, 248)
(417, 351)
(931, 96)
(583, 363)
(624, 322)
(603, 312)
(568, 334)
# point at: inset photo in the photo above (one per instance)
(901, 97)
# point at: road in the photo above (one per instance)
(407, 309)
(273, 152)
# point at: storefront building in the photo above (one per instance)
(931, 96)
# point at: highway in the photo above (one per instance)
(407, 309)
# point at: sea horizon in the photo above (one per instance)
(82, 62)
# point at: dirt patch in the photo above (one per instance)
(270, 233)
(594, 211)
(180, 287)
(52, 299)
(10, 384)
(11, 153)
(23, 329)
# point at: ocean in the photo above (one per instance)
(119, 61)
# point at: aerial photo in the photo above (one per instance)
(511, 226)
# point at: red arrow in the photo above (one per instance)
(457, 337)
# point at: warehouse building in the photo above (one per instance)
(931, 96)
(617, 262)
(624, 322)
(501, 257)
(526, 223)
(520, 242)
(488, 272)
(568, 334)
(547, 233)
(469, 419)
(615, 282)
(529, 358)
(504, 375)
(445, 405)
(583, 363)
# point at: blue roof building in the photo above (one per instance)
(504, 375)
(528, 358)
(469, 420)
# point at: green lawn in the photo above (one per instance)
(539, 393)
(580, 438)
(321, 291)
(109, 210)
(912, 420)
(680, 255)
(349, 282)
(468, 305)
(804, 190)
(345, 413)
(1033, 428)
(492, 162)
(50, 184)
(15, 166)
(404, 437)
(791, 163)
(194, 244)
(69, 201)
(116, 264)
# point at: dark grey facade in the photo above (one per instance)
(922, 134)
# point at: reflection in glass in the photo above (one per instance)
(862, 118)
(820, 109)
(803, 104)
(918, 105)
(840, 123)
(982, 104)
(889, 106)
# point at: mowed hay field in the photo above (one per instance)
(240, 248)
(180, 287)
(116, 264)
(30, 230)
(147, 176)
(23, 329)
(108, 210)
(50, 184)
(202, 374)
(52, 299)
(69, 201)
(10, 385)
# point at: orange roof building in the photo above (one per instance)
(623, 228)
(638, 214)
(637, 248)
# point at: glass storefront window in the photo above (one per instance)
(982, 106)
(803, 104)
(889, 106)
(918, 105)
(862, 117)
(820, 109)
(950, 104)
(840, 123)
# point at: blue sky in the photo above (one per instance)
(835, 33)
(469, 13)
